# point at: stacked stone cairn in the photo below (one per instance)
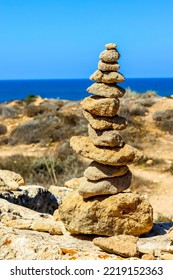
(102, 204)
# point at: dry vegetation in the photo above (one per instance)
(35, 133)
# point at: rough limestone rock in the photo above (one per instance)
(109, 55)
(123, 245)
(72, 183)
(101, 106)
(105, 186)
(107, 77)
(34, 197)
(123, 213)
(27, 245)
(108, 66)
(59, 192)
(110, 46)
(97, 171)
(109, 156)
(101, 89)
(10, 180)
(156, 245)
(101, 123)
(17, 216)
(107, 138)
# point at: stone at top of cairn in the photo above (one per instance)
(107, 77)
(110, 46)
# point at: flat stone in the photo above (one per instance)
(100, 106)
(109, 55)
(110, 46)
(97, 171)
(101, 89)
(104, 186)
(123, 245)
(107, 77)
(107, 138)
(103, 66)
(123, 213)
(19, 217)
(110, 156)
(102, 123)
(113, 77)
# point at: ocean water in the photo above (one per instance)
(75, 89)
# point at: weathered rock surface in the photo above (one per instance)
(99, 106)
(101, 89)
(16, 216)
(72, 183)
(59, 192)
(97, 171)
(109, 55)
(103, 66)
(109, 156)
(10, 180)
(101, 123)
(107, 77)
(27, 245)
(156, 245)
(37, 198)
(107, 215)
(104, 186)
(107, 138)
(123, 245)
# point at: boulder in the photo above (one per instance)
(101, 89)
(123, 213)
(113, 185)
(101, 123)
(123, 245)
(99, 106)
(109, 156)
(103, 66)
(109, 55)
(107, 138)
(97, 171)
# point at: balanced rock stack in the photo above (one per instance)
(101, 205)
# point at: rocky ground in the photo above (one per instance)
(34, 142)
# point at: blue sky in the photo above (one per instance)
(63, 39)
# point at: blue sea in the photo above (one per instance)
(75, 89)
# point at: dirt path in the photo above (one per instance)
(158, 190)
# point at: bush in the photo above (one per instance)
(34, 131)
(7, 111)
(164, 120)
(54, 169)
(3, 129)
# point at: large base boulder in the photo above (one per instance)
(123, 213)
